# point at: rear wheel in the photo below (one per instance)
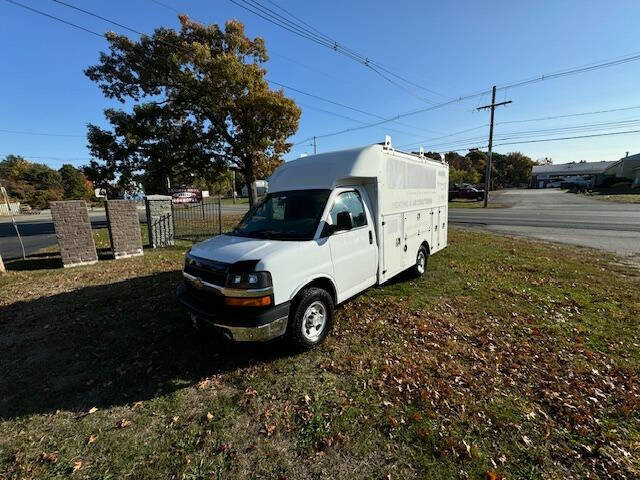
(310, 319)
(421, 262)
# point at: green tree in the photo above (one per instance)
(206, 107)
(463, 176)
(74, 183)
(32, 183)
(511, 170)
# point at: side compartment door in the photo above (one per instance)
(393, 244)
(414, 234)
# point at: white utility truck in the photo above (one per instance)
(332, 225)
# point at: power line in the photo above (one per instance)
(108, 20)
(269, 15)
(113, 22)
(333, 102)
(20, 132)
(520, 121)
(95, 15)
(168, 7)
(541, 78)
(59, 159)
(380, 66)
(542, 132)
(570, 138)
(568, 115)
(53, 17)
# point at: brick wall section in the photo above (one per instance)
(73, 229)
(159, 220)
(124, 228)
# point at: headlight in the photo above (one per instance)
(249, 280)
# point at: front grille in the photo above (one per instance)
(207, 270)
(207, 299)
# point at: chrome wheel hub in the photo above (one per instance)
(314, 321)
(421, 262)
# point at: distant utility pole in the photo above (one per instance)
(487, 177)
(315, 145)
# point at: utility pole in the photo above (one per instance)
(487, 177)
(315, 145)
(233, 190)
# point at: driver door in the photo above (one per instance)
(354, 252)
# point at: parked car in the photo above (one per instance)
(331, 226)
(554, 184)
(465, 191)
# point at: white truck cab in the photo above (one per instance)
(331, 226)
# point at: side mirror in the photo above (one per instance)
(343, 222)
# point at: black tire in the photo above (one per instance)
(420, 268)
(304, 300)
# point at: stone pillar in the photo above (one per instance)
(124, 228)
(159, 220)
(73, 229)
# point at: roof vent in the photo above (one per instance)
(387, 142)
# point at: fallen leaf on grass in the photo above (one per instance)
(92, 438)
(123, 423)
(49, 457)
(93, 410)
(77, 466)
(209, 416)
(526, 440)
(268, 429)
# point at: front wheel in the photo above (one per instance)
(421, 262)
(310, 319)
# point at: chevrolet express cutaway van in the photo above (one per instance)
(332, 225)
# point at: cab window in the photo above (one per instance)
(352, 203)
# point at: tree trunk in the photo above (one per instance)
(2, 269)
(250, 180)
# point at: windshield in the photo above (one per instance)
(292, 215)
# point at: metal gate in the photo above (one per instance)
(197, 220)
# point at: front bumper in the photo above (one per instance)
(252, 324)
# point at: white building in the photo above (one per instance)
(544, 174)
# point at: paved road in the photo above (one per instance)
(544, 214)
(558, 216)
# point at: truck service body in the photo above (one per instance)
(332, 225)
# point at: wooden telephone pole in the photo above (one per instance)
(487, 177)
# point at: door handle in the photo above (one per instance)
(370, 237)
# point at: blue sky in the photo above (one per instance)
(454, 48)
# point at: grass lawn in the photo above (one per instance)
(618, 198)
(460, 203)
(509, 359)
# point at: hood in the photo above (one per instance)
(230, 249)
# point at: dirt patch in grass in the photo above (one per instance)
(509, 359)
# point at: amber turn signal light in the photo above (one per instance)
(248, 301)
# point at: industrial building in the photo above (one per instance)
(591, 172)
(627, 168)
